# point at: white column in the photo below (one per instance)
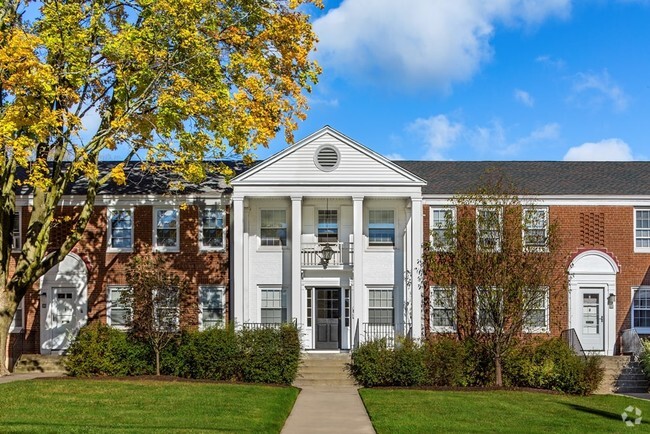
(296, 245)
(416, 256)
(237, 306)
(358, 309)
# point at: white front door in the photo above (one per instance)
(58, 307)
(592, 319)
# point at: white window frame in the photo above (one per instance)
(286, 229)
(284, 312)
(635, 289)
(635, 238)
(437, 226)
(17, 238)
(484, 328)
(546, 328)
(499, 211)
(383, 244)
(156, 247)
(383, 308)
(202, 289)
(109, 228)
(318, 224)
(109, 305)
(434, 305)
(13, 327)
(202, 246)
(525, 228)
(174, 308)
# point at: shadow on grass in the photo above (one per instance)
(601, 413)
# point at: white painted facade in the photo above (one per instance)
(357, 186)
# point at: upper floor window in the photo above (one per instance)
(641, 309)
(120, 229)
(488, 229)
(535, 228)
(18, 322)
(16, 232)
(441, 222)
(212, 234)
(117, 312)
(381, 227)
(166, 229)
(211, 306)
(380, 306)
(273, 230)
(328, 230)
(274, 305)
(642, 230)
(443, 308)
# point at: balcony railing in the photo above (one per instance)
(311, 254)
(267, 325)
(389, 332)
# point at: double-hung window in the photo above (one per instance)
(443, 308)
(118, 314)
(328, 229)
(642, 230)
(536, 310)
(273, 228)
(211, 311)
(18, 322)
(641, 309)
(166, 229)
(274, 305)
(535, 228)
(381, 227)
(120, 230)
(211, 233)
(380, 306)
(166, 311)
(488, 229)
(441, 224)
(489, 308)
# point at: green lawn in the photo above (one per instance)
(421, 411)
(76, 405)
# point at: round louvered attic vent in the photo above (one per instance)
(327, 158)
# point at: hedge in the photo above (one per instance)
(270, 355)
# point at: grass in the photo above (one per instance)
(404, 410)
(116, 406)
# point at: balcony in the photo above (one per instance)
(311, 256)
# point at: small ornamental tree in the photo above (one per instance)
(492, 264)
(153, 298)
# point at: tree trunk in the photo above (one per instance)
(497, 366)
(7, 311)
(157, 351)
(4, 335)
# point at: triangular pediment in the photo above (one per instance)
(327, 157)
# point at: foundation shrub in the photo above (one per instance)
(645, 357)
(445, 361)
(212, 354)
(371, 364)
(270, 355)
(102, 350)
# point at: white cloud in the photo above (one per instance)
(437, 133)
(593, 90)
(524, 97)
(332, 102)
(420, 43)
(606, 150)
(394, 157)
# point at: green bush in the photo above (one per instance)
(445, 360)
(645, 357)
(553, 365)
(374, 364)
(257, 356)
(102, 350)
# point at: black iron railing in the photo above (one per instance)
(388, 332)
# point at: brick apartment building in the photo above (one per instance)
(329, 234)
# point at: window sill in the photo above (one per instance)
(439, 329)
(119, 250)
(642, 330)
(538, 331)
(642, 250)
(166, 249)
(381, 248)
(211, 249)
(272, 248)
(535, 249)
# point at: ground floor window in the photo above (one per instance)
(537, 311)
(211, 299)
(274, 305)
(641, 308)
(443, 308)
(117, 313)
(380, 306)
(18, 323)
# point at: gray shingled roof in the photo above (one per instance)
(536, 177)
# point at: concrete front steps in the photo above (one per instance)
(324, 369)
(622, 375)
(29, 363)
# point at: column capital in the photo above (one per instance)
(296, 198)
(358, 198)
(237, 198)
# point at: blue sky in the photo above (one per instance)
(484, 80)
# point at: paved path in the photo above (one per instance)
(20, 377)
(328, 409)
(637, 395)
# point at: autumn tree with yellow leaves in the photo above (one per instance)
(179, 80)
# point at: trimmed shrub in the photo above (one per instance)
(270, 355)
(645, 357)
(371, 364)
(445, 361)
(102, 350)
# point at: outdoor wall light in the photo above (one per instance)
(611, 298)
(326, 254)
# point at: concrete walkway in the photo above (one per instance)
(328, 409)
(30, 376)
